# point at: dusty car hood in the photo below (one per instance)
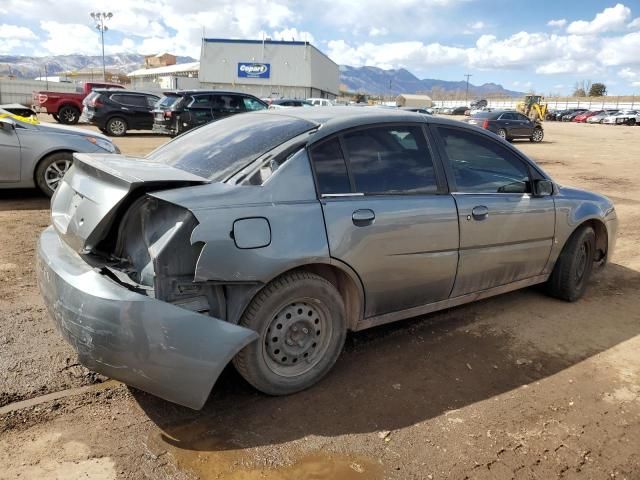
(67, 130)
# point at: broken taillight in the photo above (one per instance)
(42, 98)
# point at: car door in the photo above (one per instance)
(9, 153)
(524, 125)
(506, 233)
(200, 109)
(388, 215)
(508, 122)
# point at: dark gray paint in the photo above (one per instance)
(405, 254)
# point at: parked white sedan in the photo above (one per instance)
(625, 117)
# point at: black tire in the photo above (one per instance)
(68, 115)
(43, 176)
(631, 122)
(572, 270)
(55, 117)
(289, 314)
(537, 136)
(503, 134)
(116, 127)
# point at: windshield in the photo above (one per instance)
(168, 101)
(217, 150)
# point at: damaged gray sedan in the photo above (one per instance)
(261, 239)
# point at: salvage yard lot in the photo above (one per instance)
(517, 386)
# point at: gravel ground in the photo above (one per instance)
(517, 386)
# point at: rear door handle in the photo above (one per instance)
(363, 217)
(480, 212)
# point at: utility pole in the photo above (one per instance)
(100, 18)
(466, 95)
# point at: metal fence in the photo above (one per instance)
(20, 91)
(624, 103)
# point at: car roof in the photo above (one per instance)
(205, 92)
(124, 90)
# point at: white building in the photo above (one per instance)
(268, 68)
(182, 76)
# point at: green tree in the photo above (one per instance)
(598, 90)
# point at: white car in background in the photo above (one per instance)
(321, 102)
(625, 117)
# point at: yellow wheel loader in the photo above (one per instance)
(533, 107)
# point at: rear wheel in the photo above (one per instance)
(68, 115)
(50, 171)
(300, 318)
(502, 133)
(116, 127)
(572, 270)
(537, 135)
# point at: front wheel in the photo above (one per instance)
(537, 136)
(300, 318)
(50, 171)
(572, 270)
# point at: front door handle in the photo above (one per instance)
(363, 217)
(480, 212)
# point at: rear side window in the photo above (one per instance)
(481, 165)
(132, 100)
(394, 159)
(331, 171)
(151, 101)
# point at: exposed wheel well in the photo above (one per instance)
(602, 238)
(345, 285)
(44, 157)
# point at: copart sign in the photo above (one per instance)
(254, 70)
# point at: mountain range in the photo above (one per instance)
(370, 80)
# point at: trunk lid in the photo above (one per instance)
(97, 187)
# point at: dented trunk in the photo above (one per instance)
(116, 271)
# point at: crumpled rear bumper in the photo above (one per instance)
(157, 347)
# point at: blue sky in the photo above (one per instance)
(544, 46)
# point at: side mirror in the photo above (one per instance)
(7, 123)
(542, 188)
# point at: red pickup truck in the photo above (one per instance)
(65, 107)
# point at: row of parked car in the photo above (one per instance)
(607, 116)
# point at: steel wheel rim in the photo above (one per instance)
(54, 173)
(117, 127)
(289, 350)
(502, 134)
(581, 266)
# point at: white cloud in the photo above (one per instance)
(84, 39)
(612, 18)
(289, 34)
(479, 25)
(621, 50)
(378, 32)
(15, 32)
(628, 74)
(635, 23)
(559, 23)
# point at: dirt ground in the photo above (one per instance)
(518, 386)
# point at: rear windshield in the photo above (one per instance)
(218, 150)
(483, 114)
(168, 101)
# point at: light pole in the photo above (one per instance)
(466, 95)
(100, 18)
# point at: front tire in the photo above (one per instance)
(116, 127)
(68, 115)
(537, 135)
(572, 270)
(50, 171)
(300, 318)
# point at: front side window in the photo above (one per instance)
(251, 104)
(390, 159)
(481, 165)
(201, 101)
(330, 169)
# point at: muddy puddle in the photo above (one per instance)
(193, 448)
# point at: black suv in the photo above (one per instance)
(182, 110)
(114, 111)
